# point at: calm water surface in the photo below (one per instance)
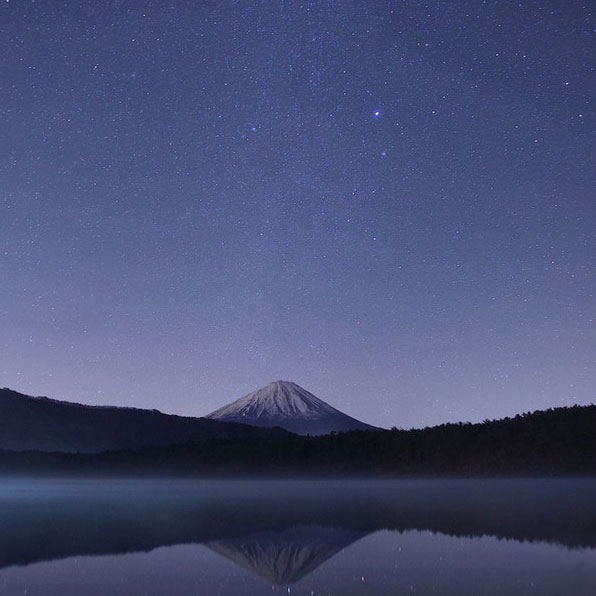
(91, 537)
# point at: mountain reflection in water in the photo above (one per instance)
(285, 557)
(280, 530)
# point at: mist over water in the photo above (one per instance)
(67, 537)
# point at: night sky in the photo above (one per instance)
(389, 203)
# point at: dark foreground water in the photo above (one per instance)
(145, 537)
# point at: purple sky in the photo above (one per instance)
(389, 203)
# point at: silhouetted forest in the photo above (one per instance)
(559, 441)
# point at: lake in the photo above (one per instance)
(118, 537)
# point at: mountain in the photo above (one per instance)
(288, 406)
(40, 423)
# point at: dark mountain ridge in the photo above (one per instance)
(44, 424)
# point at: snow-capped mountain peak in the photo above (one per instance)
(286, 404)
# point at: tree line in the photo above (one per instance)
(551, 442)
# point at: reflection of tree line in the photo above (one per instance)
(284, 530)
(559, 441)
